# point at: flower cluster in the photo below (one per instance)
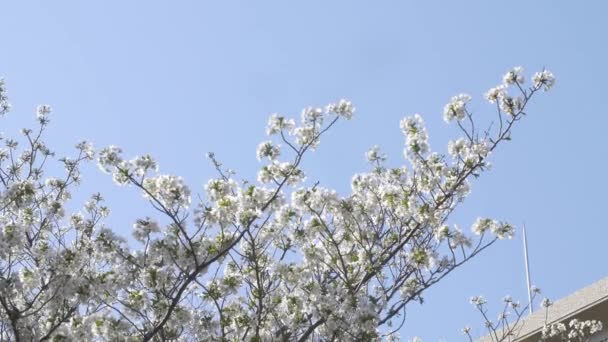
(575, 330)
(268, 150)
(343, 108)
(143, 228)
(514, 76)
(170, 191)
(456, 109)
(500, 229)
(513, 105)
(416, 138)
(374, 155)
(312, 120)
(277, 124)
(544, 79)
(109, 158)
(5, 106)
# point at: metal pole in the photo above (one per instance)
(527, 271)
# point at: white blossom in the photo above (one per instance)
(496, 93)
(268, 150)
(278, 123)
(375, 155)
(415, 134)
(311, 114)
(109, 158)
(482, 225)
(456, 108)
(87, 149)
(478, 300)
(343, 108)
(169, 190)
(511, 105)
(42, 111)
(515, 75)
(543, 79)
(143, 164)
(264, 260)
(5, 106)
(144, 227)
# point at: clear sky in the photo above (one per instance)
(180, 78)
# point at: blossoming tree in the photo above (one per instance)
(275, 259)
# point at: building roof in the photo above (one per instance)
(590, 302)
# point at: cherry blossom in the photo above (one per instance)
(275, 256)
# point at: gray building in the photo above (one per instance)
(587, 303)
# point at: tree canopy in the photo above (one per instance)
(278, 258)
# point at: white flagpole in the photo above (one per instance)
(527, 271)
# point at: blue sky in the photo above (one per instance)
(177, 79)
